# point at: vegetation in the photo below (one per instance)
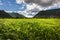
(4, 14)
(30, 29)
(55, 13)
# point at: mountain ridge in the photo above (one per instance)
(54, 13)
(4, 14)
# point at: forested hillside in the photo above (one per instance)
(3, 14)
(55, 13)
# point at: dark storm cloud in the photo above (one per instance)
(43, 2)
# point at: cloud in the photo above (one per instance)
(34, 6)
(19, 1)
(43, 3)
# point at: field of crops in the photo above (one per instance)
(30, 29)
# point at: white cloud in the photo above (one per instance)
(39, 5)
(19, 1)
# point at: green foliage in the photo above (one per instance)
(29, 29)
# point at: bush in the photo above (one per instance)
(28, 31)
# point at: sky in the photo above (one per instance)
(11, 5)
(28, 8)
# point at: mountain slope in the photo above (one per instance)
(55, 13)
(16, 15)
(3, 14)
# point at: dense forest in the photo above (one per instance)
(55, 13)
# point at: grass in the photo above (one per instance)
(30, 29)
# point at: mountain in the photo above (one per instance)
(54, 13)
(16, 15)
(3, 14)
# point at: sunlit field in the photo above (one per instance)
(30, 29)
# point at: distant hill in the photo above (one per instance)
(16, 15)
(3, 14)
(55, 13)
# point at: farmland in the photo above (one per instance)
(30, 29)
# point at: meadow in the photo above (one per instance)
(30, 29)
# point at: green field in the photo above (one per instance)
(30, 29)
